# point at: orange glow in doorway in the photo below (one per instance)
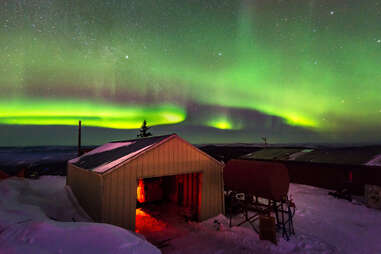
(145, 223)
(140, 192)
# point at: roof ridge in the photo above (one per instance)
(135, 139)
(147, 148)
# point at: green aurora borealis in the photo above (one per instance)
(247, 68)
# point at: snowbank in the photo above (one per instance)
(36, 216)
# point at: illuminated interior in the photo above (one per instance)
(146, 223)
(160, 199)
(140, 192)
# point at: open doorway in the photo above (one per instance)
(163, 202)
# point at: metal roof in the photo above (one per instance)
(113, 153)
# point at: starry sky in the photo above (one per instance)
(212, 71)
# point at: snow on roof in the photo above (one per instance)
(107, 166)
(103, 148)
(111, 154)
(376, 161)
(294, 156)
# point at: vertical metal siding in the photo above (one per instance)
(120, 195)
(87, 189)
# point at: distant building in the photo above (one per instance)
(106, 180)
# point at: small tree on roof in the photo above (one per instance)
(143, 132)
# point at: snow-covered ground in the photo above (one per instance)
(36, 216)
(348, 227)
(323, 224)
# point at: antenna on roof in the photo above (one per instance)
(79, 137)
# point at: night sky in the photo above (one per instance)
(213, 71)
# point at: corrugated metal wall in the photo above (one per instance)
(119, 196)
(174, 157)
(191, 193)
(87, 188)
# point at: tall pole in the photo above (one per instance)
(79, 138)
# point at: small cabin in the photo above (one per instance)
(110, 181)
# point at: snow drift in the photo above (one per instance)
(36, 216)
